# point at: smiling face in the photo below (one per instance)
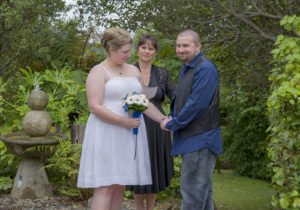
(187, 48)
(146, 51)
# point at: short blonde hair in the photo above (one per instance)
(115, 38)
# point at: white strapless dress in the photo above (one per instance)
(108, 150)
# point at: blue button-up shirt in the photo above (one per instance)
(205, 83)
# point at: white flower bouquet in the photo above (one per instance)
(135, 104)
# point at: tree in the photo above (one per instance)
(24, 29)
(239, 34)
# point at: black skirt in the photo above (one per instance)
(160, 145)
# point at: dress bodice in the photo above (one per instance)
(117, 88)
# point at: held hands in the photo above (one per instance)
(163, 123)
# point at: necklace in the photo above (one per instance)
(119, 70)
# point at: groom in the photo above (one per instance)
(195, 122)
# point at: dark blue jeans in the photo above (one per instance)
(196, 180)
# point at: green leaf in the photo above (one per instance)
(296, 203)
(284, 202)
(5, 183)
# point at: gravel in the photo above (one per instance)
(49, 203)
(64, 203)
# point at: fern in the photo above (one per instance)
(6, 183)
(42, 148)
(64, 167)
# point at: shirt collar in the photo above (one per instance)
(194, 61)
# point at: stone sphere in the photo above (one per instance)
(37, 123)
(38, 99)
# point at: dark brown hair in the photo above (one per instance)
(147, 38)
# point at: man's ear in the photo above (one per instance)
(199, 46)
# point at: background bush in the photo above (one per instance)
(284, 116)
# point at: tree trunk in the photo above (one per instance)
(77, 133)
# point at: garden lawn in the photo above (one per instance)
(232, 192)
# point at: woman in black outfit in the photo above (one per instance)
(159, 84)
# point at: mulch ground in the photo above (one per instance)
(64, 203)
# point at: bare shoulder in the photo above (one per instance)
(135, 71)
(98, 70)
(97, 73)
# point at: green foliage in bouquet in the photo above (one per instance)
(136, 102)
(284, 116)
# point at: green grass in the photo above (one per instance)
(232, 192)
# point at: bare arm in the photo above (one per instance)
(95, 86)
(154, 113)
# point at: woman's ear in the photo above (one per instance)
(111, 50)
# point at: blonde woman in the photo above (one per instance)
(107, 161)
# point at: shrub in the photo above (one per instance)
(284, 116)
